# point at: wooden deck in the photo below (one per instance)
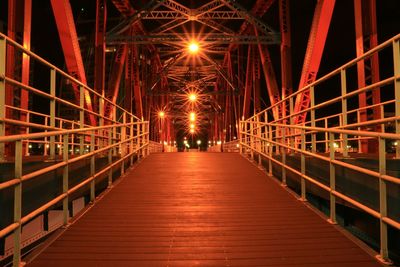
(201, 209)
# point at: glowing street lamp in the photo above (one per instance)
(191, 126)
(198, 142)
(193, 47)
(161, 114)
(192, 131)
(192, 97)
(192, 116)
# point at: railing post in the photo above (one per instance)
(60, 138)
(147, 138)
(258, 142)
(123, 143)
(293, 130)
(332, 179)
(52, 112)
(270, 150)
(65, 180)
(17, 204)
(131, 140)
(92, 168)
(326, 136)
(283, 155)
(3, 54)
(240, 137)
(27, 132)
(384, 254)
(252, 144)
(81, 118)
(312, 114)
(73, 139)
(114, 130)
(303, 165)
(396, 63)
(110, 154)
(344, 111)
(101, 121)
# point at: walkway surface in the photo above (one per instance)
(201, 209)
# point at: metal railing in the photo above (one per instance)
(232, 146)
(118, 140)
(275, 140)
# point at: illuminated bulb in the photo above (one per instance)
(193, 47)
(161, 114)
(192, 126)
(192, 116)
(191, 130)
(192, 97)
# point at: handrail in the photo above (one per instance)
(120, 139)
(273, 140)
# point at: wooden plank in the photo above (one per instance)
(201, 209)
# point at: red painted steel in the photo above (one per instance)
(100, 46)
(70, 45)
(286, 54)
(367, 70)
(315, 47)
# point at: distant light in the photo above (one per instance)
(234, 138)
(193, 47)
(395, 143)
(191, 131)
(165, 143)
(198, 142)
(161, 114)
(30, 146)
(185, 138)
(209, 141)
(192, 97)
(192, 116)
(184, 142)
(219, 142)
(335, 145)
(237, 145)
(191, 126)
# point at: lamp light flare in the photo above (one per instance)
(193, 47)
(192, 116)
(161, 114)
(192, 97)
(192, 131)
(191, 126)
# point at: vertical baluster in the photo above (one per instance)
(65, 179)
(17, 203)
(332, 179)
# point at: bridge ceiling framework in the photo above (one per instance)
(139, 57)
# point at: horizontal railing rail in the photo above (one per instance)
(88, 134)
(332, 131)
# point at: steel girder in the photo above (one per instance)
(315, 47)
(368, 69)
(210, 38)
(286, 55)
(70, 45)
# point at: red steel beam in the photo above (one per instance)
(286, 54)
(270, 77)
(248, 83)
(368, 69)
(100, 46)
(26, 41)
(70, 45)
(316, 43)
